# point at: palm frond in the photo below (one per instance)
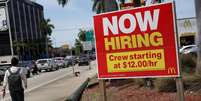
(62, 2)
(94, 7)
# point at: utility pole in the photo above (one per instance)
(198, 18)
(8, 24)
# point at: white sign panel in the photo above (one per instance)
(87, 45)
(187, 25)
(3, 21)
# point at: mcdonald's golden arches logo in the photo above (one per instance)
(172, 70)
(187, 24)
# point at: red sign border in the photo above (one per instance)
(176, 44)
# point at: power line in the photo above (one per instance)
(70, 29)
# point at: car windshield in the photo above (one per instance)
(42, 61)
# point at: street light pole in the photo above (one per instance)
(9, 29)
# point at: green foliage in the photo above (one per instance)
(82, 35)
(188, 63)
(122, 1)
(78, 47)
(46, 27)
(101, 6)
(165, 84)
(140, 82)
(190, 81)
(62, 2)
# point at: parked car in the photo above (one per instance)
(189, 50)
(184, 48)
(60, 62)
(84, 60)
(27, 66)
(92, 56)
(70, 60)
(3, 68)
(34, 68)
(46, 64)
(193, 51)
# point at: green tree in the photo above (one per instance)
(122, 1)
(100, 6)
(46, 29)
(78, 47)
(82, 35)
(19, 47)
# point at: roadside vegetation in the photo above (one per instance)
(151, 89)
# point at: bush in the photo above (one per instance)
(188, 63)
(165, 84)
(139, 82)
(144, 82)
(190, 81)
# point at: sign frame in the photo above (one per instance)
(175, 42)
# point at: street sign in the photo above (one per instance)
(87, 45)
(3, 21)
(137, 43)
(89, 35)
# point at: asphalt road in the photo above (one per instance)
(49, 79)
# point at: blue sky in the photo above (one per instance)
(78, 14)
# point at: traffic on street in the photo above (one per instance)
(45, 78)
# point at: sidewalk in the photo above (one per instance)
(60, 89)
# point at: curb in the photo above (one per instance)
(77, 94)
(46, 83)
(36, 87)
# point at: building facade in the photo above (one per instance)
(187, 31)
(25, 37)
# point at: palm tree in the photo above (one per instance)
(19, 47)
(78, 47)
(122, 1)
(62, 2)
(100, 6)
(46, 29)
(82, 35)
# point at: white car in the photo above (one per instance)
(60, 62)
(184, 49)
(46, 64)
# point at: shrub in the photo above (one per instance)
(144, 82)
(165, 84)
(139, 82)
(190, 81)
(188, 63)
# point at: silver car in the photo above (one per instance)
(46, 64)
(60, 62)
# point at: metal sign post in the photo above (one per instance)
(103, 95)
(180, 90)
(179, 81)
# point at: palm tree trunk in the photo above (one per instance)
(46, 45)
(198, 16)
